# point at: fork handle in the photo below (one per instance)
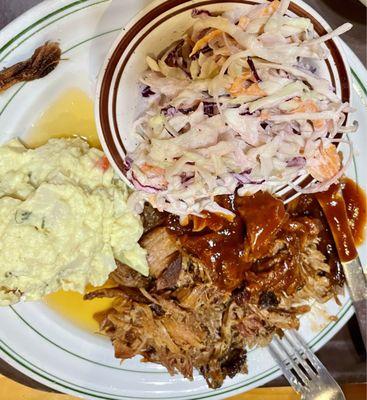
(361, 314)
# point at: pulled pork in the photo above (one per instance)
(190, 314)
(44, 60)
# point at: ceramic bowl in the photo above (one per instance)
(119, 100)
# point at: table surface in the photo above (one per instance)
(346, 346)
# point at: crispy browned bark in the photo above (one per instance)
(44, 60)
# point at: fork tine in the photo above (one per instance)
(289, 359)
(311, 373)
(285, 370)
(310, 355)
(320, 382)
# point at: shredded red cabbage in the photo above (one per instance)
(296, 162)
(140, 186)
(196, 12)
(174, 58)
(188, 110)
(127, 163)
(244, 178)
(210, 109)
(147, 91)
(186, 177)
(169, 111)
(253, 69)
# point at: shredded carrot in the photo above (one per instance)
(146, 168)
(201, 43)
(306, 106)
(254, 90)
(154, 172)
(237, 88)
(318, 124)
(103, 163)
(310, 106)
(326, 164)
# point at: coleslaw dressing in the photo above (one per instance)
(69, 115)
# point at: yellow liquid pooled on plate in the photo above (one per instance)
(71, 114)
(80, 312)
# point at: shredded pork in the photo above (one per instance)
(180, 319)
(44, 60)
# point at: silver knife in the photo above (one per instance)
(356, 280)
(333, 205)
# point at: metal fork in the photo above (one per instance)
(303, 370)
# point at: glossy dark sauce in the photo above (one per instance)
(262, 214)
(356, 204)
(221, 249)
(308, 206)
(344, 206)
(237, 252)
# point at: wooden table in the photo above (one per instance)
(10, 390)
(346, 346)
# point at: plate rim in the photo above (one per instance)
(54, 384)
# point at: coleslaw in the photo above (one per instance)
(236, 105)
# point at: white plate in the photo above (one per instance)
(35, 339)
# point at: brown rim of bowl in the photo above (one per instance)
(153, 14)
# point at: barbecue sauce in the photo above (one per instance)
(220, 250)
(335, 212)
(356, 203)
(345, 209)
(236, 252)
(308, 206)
(232, 249)
(263, 215)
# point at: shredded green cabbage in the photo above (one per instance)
(238, 106)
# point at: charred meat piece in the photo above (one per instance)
(169, 277)
(104, 292)
(133, 294)
(126, 276)
(44, 60)
(268, 299)
(234, 362)
(160, 246)
(152, 218)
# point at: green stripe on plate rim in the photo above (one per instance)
(359, 82)
(45, 375)
(47, 17)
(55, 380)
(20, 34)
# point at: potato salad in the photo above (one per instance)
(64, 220)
